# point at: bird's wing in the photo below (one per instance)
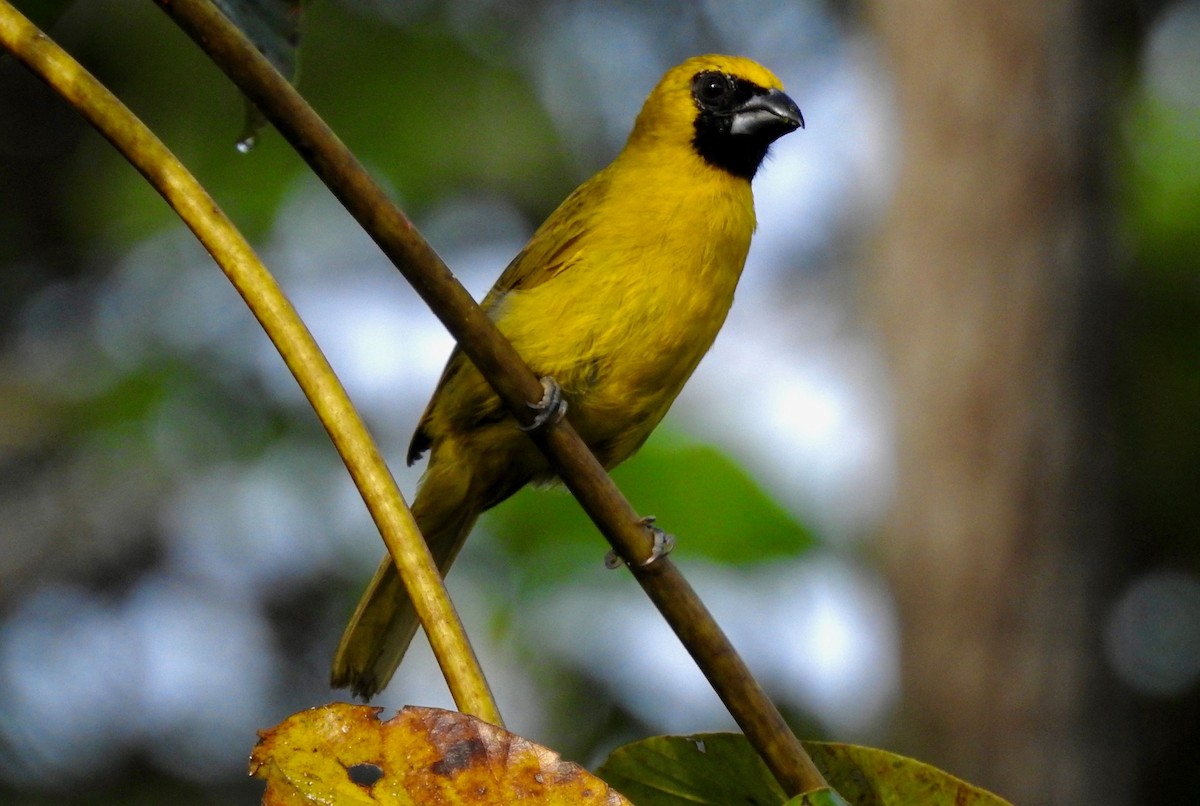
(554, 248)
(556, 244)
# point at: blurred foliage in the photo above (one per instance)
(1157, 375)
(1162, 184)
(1159, 362)
(453, 123)
(44, 13)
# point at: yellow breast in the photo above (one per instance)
(641, 297)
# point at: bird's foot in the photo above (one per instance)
(550, 409)
(663, 544)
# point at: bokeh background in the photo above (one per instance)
(939, 478)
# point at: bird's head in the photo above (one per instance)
(727, 109)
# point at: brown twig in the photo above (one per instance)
(512, 380)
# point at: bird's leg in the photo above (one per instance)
(663, 544)
(550, 409)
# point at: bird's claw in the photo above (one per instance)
(550, 409)
(663, 545)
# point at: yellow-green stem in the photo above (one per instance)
(285, 329)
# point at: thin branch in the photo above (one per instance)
(512, 380)
(285, 329)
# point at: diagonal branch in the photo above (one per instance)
(512, 380)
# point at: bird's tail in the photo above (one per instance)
(385, 622)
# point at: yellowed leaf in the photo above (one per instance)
(342, 754)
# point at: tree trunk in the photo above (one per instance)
(983, 288)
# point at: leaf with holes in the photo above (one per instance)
(341, 753)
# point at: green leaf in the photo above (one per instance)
(722, 768)
(818, 797)
(711, 768)
(272, 25)
(866, 775)
(704, 498)
(274, 28)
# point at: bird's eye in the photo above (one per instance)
(711, 89)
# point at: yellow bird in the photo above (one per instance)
(616, 297)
